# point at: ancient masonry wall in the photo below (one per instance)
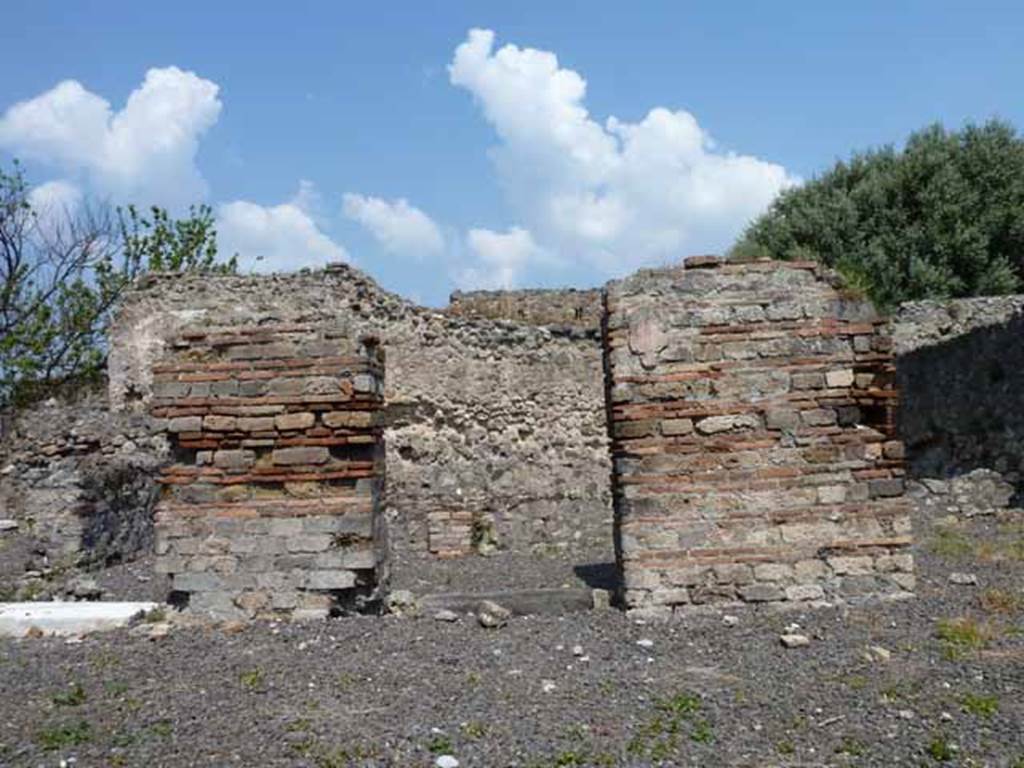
(78, 482)
(961, 371)
(562, 309)
(493, 430)
(754, 447)
(272, 502)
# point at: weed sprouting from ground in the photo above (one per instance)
(963, 635)
(73, 697)
(439, 744)
(940, 749)
(980, 705)
(951, 543)
(65, 735)
(252, 679)
(658, 738)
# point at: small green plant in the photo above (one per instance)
(681, 704)
(253, 679)
(439, 744)
(702, 732)
(302, 725)
(473, 730)
(155, 616)
(980, 705)
(345, 680)
(63, 736)
(785, 748)
(850, 746)
(952, 544)
(964, 634)
(72, 697)
(115, 687)
(570, 758)
(658, 738)
(999, 601)
(940, 749)
(162, 728)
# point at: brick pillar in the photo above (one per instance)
(752, 411)
(271, 505)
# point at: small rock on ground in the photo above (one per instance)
(491, 615)
(795, 641)
(963, 579)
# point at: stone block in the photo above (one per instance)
(851, 566)
(761, 593)
(326, 580)
(185, 424)
(805, 592)
(197, 582)
(714, 424)
(217, 423)
(841, 378)
(802, 381)
(886, 487)
(674, 427)
(237, 459)
(832, 494)
(288, 421)
(733, 573)
(347, 419)
(819, 417)
(772, 572)
(782, 418)
(309, 543)
(301, 454)
(256, 423)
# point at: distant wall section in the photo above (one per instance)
(961, 369)
(494, 431)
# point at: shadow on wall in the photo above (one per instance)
(962, 404)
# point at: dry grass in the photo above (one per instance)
(965, 634)
(1000, 601)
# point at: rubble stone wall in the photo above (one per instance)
(754, 446)
(271, 504)
(494, 430)
(78, 481)
(961, 370)
(563, 309)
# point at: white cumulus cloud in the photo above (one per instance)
(615, 195)
(145, 152)
(277, 238)
(500, 258)
(54, 197)
(399, 227)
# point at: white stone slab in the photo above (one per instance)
(80, 618)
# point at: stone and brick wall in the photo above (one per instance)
(271, 504)
(754, 449)
(961, 370)
(494, 430)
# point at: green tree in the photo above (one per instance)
(943, 217)
(160, 244)
(62, 273)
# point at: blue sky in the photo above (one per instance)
(363, 131)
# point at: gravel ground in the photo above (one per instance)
(402, 692)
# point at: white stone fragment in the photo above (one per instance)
(64, 619)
